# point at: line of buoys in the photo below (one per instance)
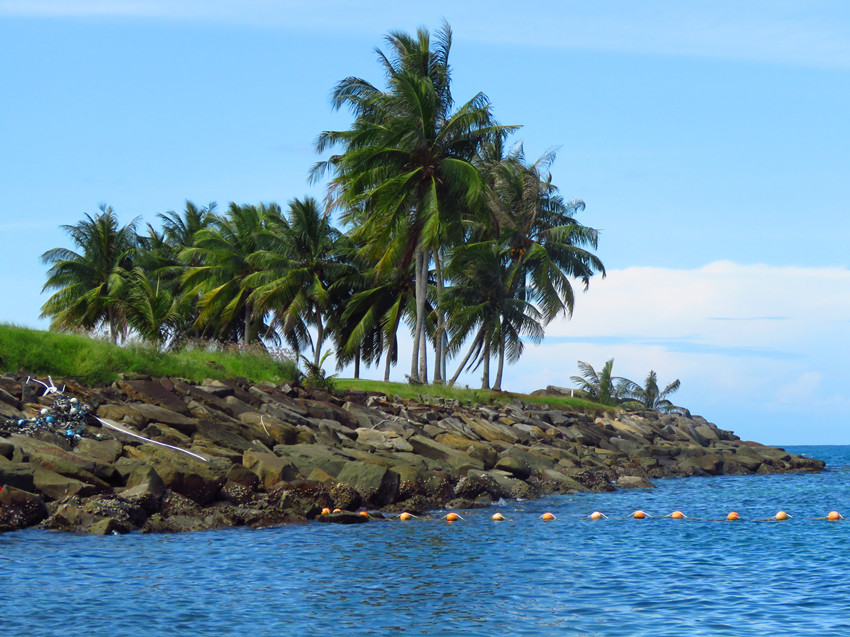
(597, 515)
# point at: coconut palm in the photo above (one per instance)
(651, 397)
(152, 311)
(296, 273)
(602, 387)
(90, 283)
(538, 228)
(483, 297)
(221, 252)
(405, 169)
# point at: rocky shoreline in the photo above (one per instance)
(166, 455)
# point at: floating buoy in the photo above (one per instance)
(453, 517)
(547, 516)
(365, 514)
(733, 516)
(498, 517)
(337, 510)
(639, 515)
(782, 515)
(834, 515)
(596, 515)
(405, 516)
(325, 511)
(677, 515)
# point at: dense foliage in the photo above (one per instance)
(445, 229)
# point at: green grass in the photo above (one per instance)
(475, 396)
(97, 362)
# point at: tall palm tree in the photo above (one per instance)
(405, 169)
(297, 270)
(538, 229)
(221, 252)
(90, 282)
(602, 387)
(651, 397)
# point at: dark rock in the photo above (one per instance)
(20, 509)
(343, 517)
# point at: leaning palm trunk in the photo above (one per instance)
(497, 384)
(320, 337)
(475, 342)
(485, 376)
(440, 332)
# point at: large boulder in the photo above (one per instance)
(376, 484)
(269, 468)
(20, 509)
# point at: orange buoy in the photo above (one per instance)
(639, 515)
(498, 517)
(405, 516)
(596, 515)
(365, 514)
(733, 516)
(834, 515)
(337, 510)
(547, 516)
(325, 511)
(452, 517)
(782, 515)
(677, 515)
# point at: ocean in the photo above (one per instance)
(702, 575)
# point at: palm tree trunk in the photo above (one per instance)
(420, 316)
(439, 341)
(391, 348)
(497, 384)
(357, 363)
(246, 338)
(421, 293)
(472, 347)
(485, 377)
(320, 337)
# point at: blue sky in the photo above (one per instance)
(708, 139)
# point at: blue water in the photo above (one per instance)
(525, 576)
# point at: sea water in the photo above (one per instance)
(702, 575)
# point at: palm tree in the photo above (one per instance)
(405, 170)
(296, 273)
(483, 296)
(650, 397)
(538, 228)
(602, 387)
(90, 283)
(153, 312)
(221, 252)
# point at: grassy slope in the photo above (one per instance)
(97, 362)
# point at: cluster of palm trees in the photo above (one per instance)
(447, 230)
(605, 388)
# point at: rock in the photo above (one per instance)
(154, 413)
(514, 466)
(20, 509)
(269, 468)
(376, 484)
(343, 517)
(457, 461)
(634, 482)
(152, 393)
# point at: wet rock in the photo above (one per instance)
(20, 509)
(634, 482)
(376, 484)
